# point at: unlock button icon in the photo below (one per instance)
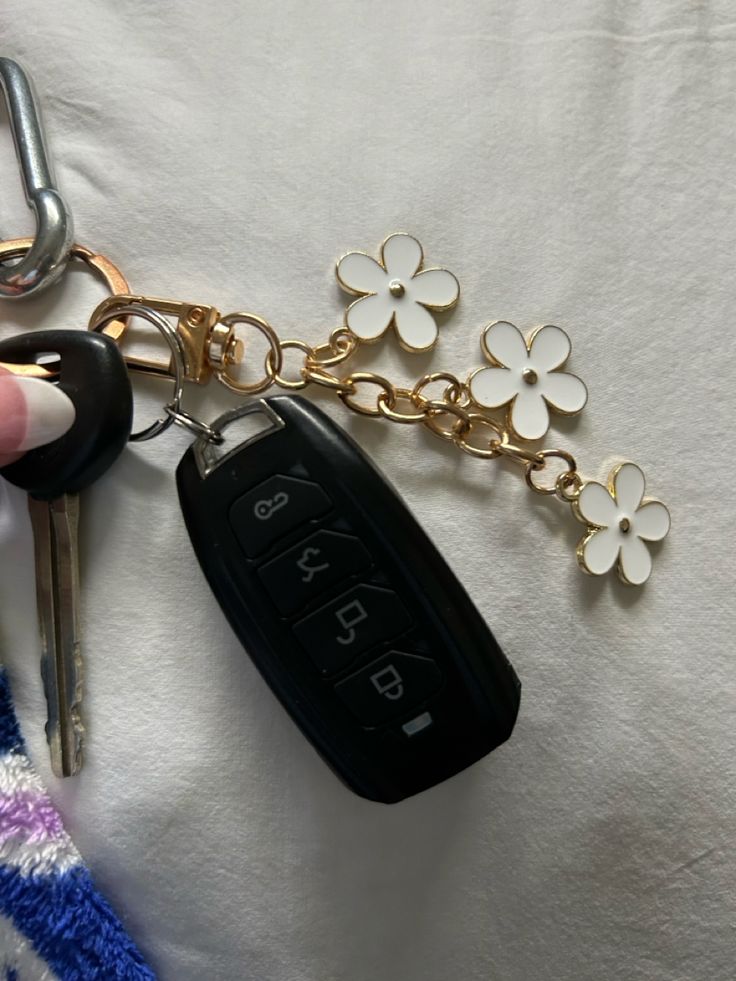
(273, 508)
(266, 507)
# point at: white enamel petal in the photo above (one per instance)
(506, 345)
(529, 414)
(628, 485)
(402, 256)
(564, 391)
(635, 562)
(598, 552)
(550, 347)
(651, 521)
(369, 317)
(596, 505)
(415, 326)
(492, 387)
(436, 288)
(358, 273)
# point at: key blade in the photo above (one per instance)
(43, 551)
(65, 526)
(55, 525)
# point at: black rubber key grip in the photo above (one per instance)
(94, 376)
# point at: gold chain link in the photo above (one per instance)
(338, 348)
(351, 383)
(533, 467)
(492, 449)
(278, 379)
(274, 358)
(455, 391)
(401, 395)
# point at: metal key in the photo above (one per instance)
(55, 527)
(93, 374)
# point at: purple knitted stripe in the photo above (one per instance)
(28, 816)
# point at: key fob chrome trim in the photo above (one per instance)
(206, 453)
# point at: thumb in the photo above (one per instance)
(32, 412)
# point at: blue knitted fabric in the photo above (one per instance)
(53, 921)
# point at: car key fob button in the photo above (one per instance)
(311, 567)
(357, 620)
(273, 509)
(390, 687)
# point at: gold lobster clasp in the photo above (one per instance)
(209, 344)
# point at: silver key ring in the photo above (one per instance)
(182, 418)
(172, 409)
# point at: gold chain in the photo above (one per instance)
(452, 416)
(212, 348)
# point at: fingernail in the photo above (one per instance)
(32, 412)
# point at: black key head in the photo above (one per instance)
(94, 376)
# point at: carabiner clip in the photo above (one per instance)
(48, 256)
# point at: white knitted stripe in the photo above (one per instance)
(18, 776)
(17, 954)
(56, 854)
(39, 858)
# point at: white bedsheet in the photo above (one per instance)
(570, 163)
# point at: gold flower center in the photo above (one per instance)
(625, 525)
(396, 288)
(530, 376)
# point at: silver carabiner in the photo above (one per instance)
(48, 255)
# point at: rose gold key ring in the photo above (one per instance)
(107, 271)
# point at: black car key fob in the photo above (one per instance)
(350, 613)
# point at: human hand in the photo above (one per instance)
(32, 412)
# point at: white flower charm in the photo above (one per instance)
(619, 522)
(525, 376)
(396, 290)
